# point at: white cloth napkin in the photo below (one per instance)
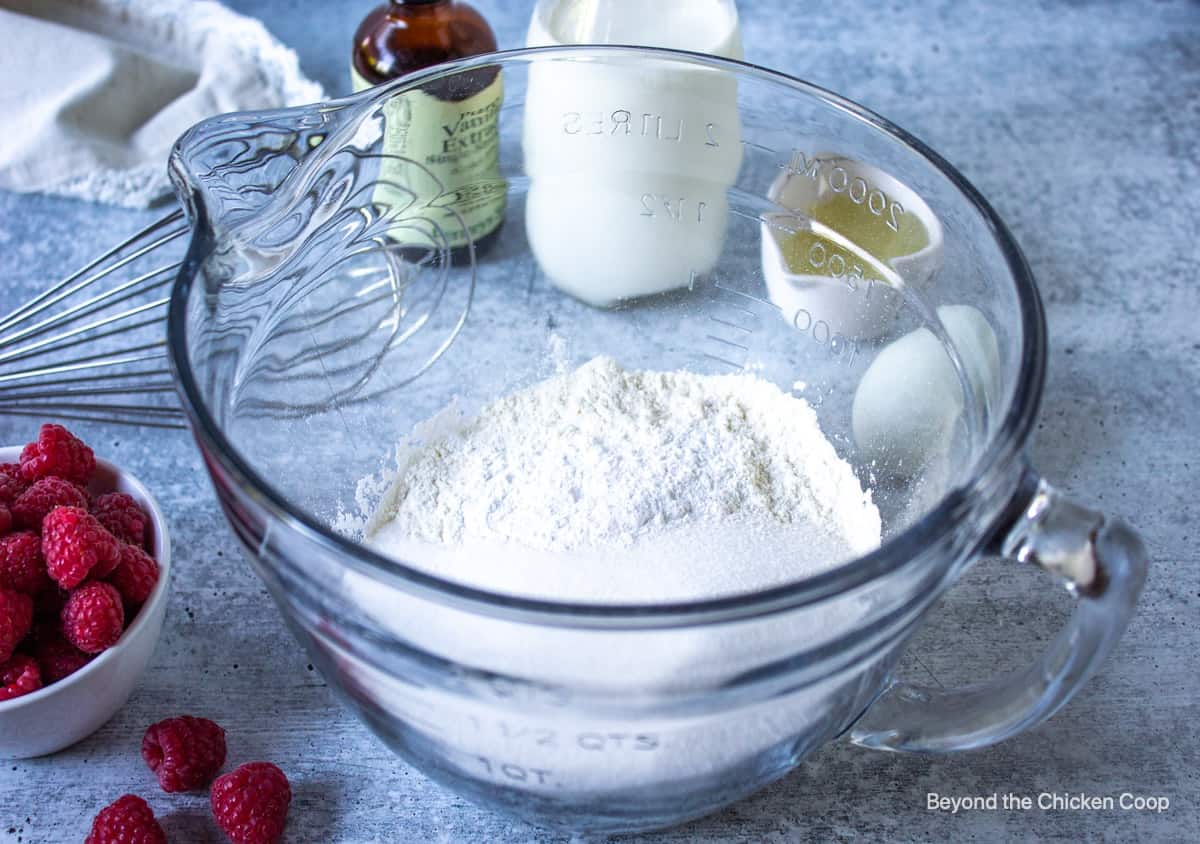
(93, 93)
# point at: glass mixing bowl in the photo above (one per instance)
(672, 211)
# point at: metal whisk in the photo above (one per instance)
(92, 346)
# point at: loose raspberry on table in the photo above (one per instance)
(11, 484)
(16, 617)
(128, 820)
(135, 576)
(34, 504)
(76, 546)
(56, 657)
(122, 517)
(92, 618)
(59, 453)
(21, 565)
(250, 804)
(185, 753)
(19, 676)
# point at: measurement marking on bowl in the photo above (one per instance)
(735, 325)
(725, 361)
(640, 742)
(598, 741)
(676, 212)
(717, 284)
(734, 333)
(839, 180)
(623, 123)
(820, 332)
(760, 147)
(513, 771)
(510, 688)
(692, 286)
(840, 264)
(728, 342)
(720, 321)
(541, 736)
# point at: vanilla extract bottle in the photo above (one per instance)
(440, 175)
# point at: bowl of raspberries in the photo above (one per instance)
(84, 565)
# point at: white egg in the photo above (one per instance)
(910, 398)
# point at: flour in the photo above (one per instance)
(704, 484)
(603, 485)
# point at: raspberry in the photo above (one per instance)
(35, 503)
(56, 657)
(77, 546)
(92, 618)
(11, 484)
(185, 753)
(6, 519)
(122, 517)
(19, 676)
(60, 453)
(16, 617)
(250, 804)
(21, 565)
(129, 820)
(135, 576)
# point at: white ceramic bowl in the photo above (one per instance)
(65, 712)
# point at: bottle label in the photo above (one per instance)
(439, 178)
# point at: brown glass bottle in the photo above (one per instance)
(450, 126)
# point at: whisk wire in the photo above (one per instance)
(86, 363)
(75, 337)
(116, 295)
(82, 413)
(80, 349)
(138, 377)
(39, 302)
(92, 345)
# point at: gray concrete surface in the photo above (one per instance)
(1081, 122)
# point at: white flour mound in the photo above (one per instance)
(602, 457)
(603, 485)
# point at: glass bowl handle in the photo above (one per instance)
(1103, 564)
